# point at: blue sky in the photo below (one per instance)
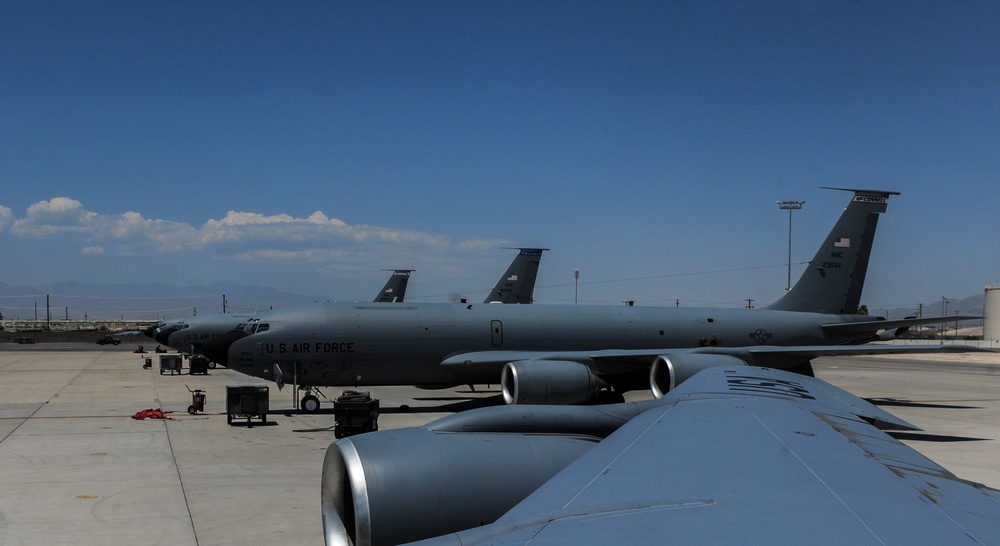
(308, 145)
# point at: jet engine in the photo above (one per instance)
(547, 382)
(668, 371)
(373, 493)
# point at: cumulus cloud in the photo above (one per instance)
(238, 226)
(61, 215)
(239, 236)
(6, 217)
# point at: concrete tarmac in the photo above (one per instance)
(76, 468)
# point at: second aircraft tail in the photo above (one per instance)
(833, 280)
(518, 283)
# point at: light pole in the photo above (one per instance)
(944, 315)
(790, 206)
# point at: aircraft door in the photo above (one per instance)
(496, 328)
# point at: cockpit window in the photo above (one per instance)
(263, 327)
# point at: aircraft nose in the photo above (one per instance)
(162, 334)
(217, 349)
(150, 330)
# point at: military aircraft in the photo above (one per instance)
(188, 335)
(395, 288)
(561, 354)
(517, 285)
(734, 455)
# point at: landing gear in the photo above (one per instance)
(608, 396)
(309, 404)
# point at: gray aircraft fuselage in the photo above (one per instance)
(559, 353)
(187, 335)
(342, 344)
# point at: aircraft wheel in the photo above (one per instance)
(309, 404)
(211, 365)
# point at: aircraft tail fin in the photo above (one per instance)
(517, 285)
(395, 287)
(833, 280)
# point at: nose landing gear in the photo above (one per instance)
(310, 402)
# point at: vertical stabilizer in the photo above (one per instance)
(395, 287)
(517, 285)
(833, 280)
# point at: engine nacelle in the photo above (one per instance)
(547, 382)
(668, 371)
(410, 484)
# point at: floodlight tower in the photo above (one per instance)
(790, 206)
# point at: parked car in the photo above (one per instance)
(108, 339)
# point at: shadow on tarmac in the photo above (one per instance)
(937, 438)
(458, 403)
(895, 402)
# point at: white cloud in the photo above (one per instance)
(318, 228)
(6, 217)
(61, 215)
(241, 236)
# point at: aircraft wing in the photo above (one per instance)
(750, 455)
(864, 328)
(629, 359)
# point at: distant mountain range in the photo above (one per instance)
(148, 301)
(969, 306)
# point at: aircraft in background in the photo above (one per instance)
(735, 455)
(517, 285)
(395, 288)
(188, 335)
(560, 354)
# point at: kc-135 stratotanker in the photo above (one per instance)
(562, 354)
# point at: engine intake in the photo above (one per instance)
(547, 382)
(668, 371)
(375, 493)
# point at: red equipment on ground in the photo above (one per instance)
(197, 400)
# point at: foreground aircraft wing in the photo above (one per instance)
(748, 455)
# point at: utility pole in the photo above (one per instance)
(790, 206)
(576, 287)
(749, 303)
